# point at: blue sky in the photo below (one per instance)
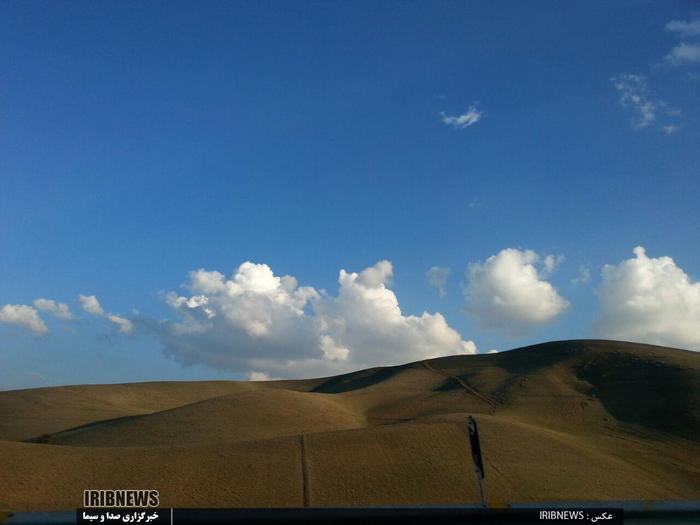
(142, 141)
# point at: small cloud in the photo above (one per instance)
(258, 376)
(469, 347)
(684, 27)
(437, 278)
(37, 375)
(684, 53)
(58, 310)
(125, 326)
(584, 275)
(492, 351)
(471, 117)
(90, 304)
(550, 263)
(23, 315)
(670, 129)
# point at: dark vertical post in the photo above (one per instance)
(476, 457)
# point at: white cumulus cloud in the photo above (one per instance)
(469, 118)
(650, 300)
(58, 310)
(23, 315)
(437, 278)
(258, 322)
(508, 293)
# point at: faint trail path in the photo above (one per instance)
(470, 390)
(304, 470)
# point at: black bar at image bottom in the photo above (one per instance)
(338, 516)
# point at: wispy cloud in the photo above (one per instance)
(437, 278)
(471, 117)
(583, 277)
(671, 128)
(550, 263)
(684, 53)
(685, 27)
(636, 97)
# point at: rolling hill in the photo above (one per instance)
(568, 420)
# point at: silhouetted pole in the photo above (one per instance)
(476, 457)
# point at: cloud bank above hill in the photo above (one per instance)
(650, 300)
(267, 325)
(263, 325)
